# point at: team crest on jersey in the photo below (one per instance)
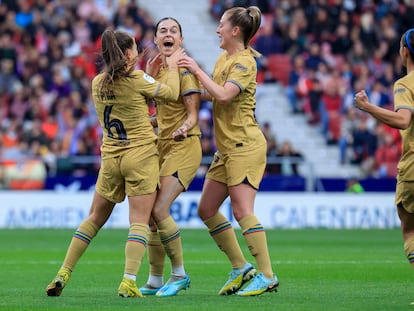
(399, 90)
(240, 67)
(185, 73)
(149, 78)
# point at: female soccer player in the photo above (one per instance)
(129, 165)
(240, 161)
(401, 118)
(180, 156)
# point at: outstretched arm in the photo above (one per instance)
(222, 94)
(399, 119)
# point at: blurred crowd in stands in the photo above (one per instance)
(321, 51)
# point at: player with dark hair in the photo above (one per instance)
(401, 118)
(180, 156)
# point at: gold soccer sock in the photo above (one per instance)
(171, 239)
(409, 249)
(80, 242)
(156, 254)
(223, 234)
(255, 237)
(135, 247)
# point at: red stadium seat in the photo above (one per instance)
(279, 66)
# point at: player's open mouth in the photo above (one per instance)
(168, 44)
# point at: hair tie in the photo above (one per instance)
(407, 41)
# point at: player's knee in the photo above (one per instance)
(204, 213)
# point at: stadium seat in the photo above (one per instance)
(279, 66)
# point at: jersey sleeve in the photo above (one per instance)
(188, 83)
(403, 96)
(241, 72)
(151, 88)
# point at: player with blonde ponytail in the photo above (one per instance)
(238, 165)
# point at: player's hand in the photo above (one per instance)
(153, 65)
(361, 100)
(189, 63)
(173, 59)
(180, 133)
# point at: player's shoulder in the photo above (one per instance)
(185, 72)
(141, 74)
(245, 57)
(404, 83)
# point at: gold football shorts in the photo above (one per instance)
(405, 195)
(234, 168)
(180, 157)
(134, 172)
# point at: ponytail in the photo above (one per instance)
(249, 20)
(114, 45)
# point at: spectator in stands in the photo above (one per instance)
(312, 106)
(378, 95)
(330, 108)
(240, 161)
(9, 84)
(35, 134)
(364, 143)
(367, 33)
(129, 162)
(288, 160)
(315, 57)
(292, 90)
(354, 186)
(268, 41)
(401, 118)
(387, 156)
(341, 44)
(322, 24)
(348, 125)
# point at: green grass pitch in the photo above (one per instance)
(318, 270)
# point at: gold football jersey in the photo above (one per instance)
(235, 124)
(172, 114)
(123, 111)
(404, 98)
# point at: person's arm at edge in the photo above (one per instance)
(399, 119)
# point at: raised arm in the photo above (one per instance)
(399, 119)
(222, 94)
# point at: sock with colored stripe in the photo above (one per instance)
(409, 249)
(223, 234)
(135, 247)
(156, 255)
(171, 239)
(255, 236)
(80, 242)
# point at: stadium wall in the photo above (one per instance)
(276, 210)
